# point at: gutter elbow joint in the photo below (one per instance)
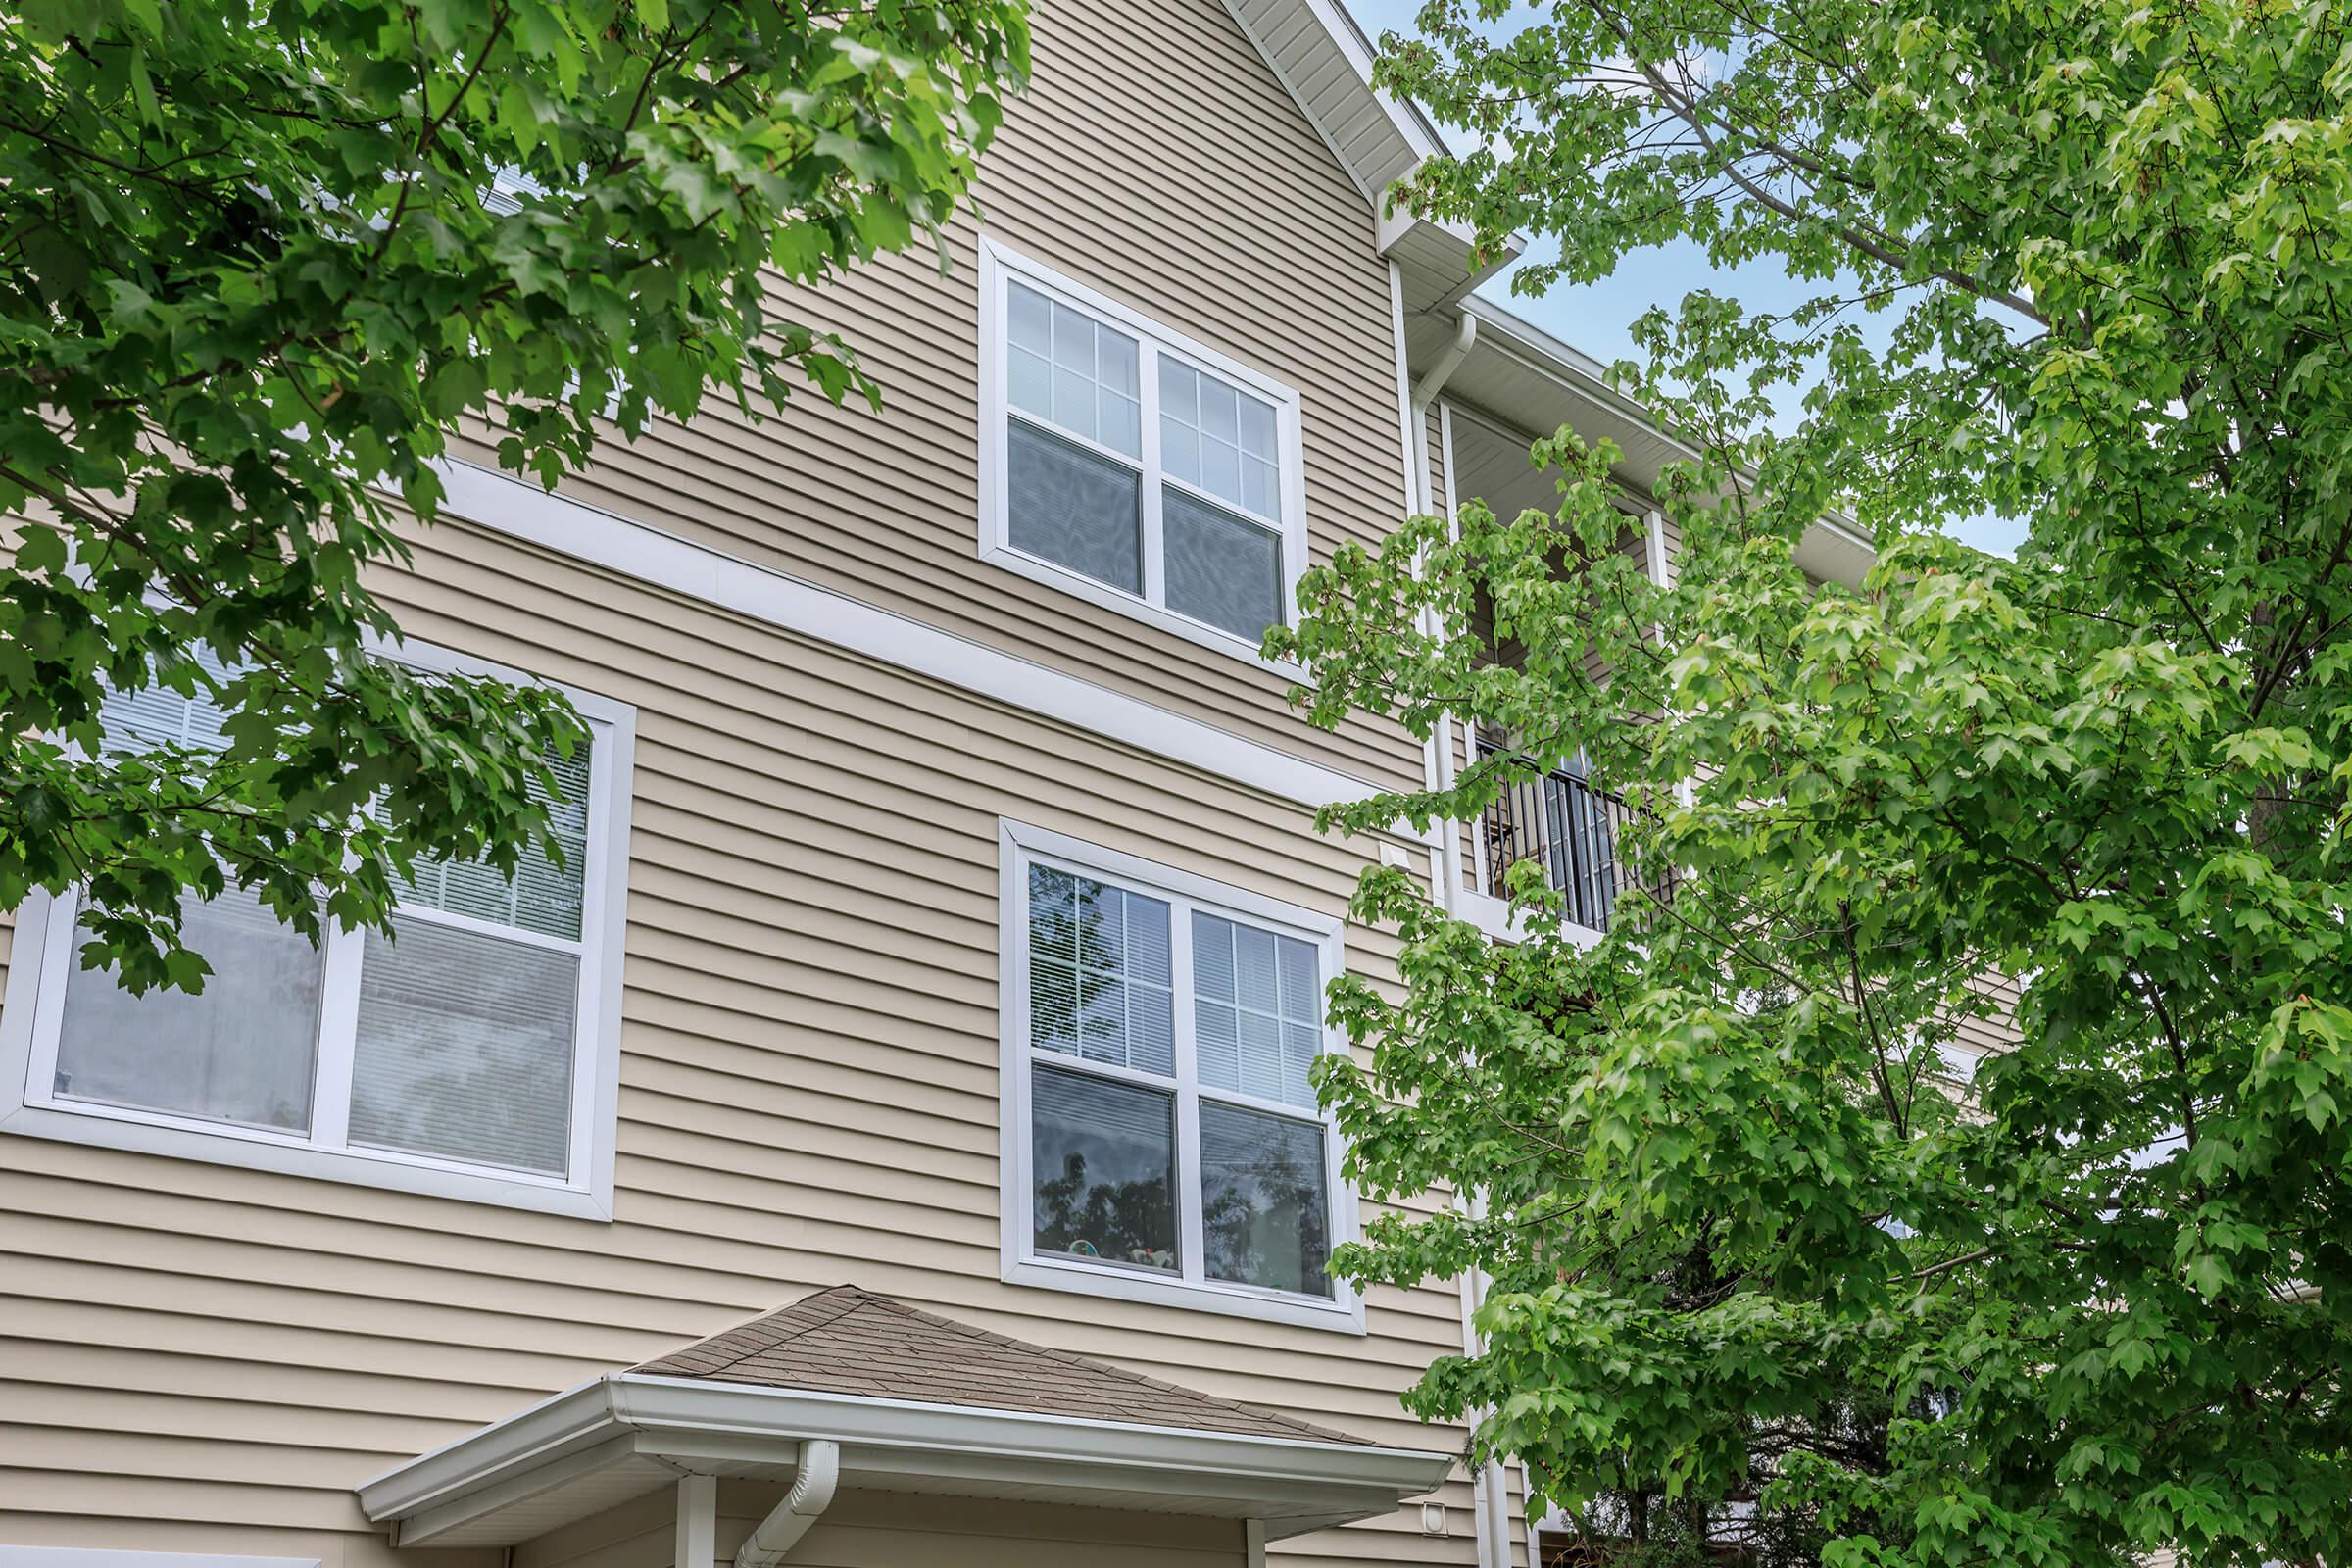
(1465, 334)
(813, 1487)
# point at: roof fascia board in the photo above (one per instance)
(1418, 133)
(675, 1419)
(693, 1403)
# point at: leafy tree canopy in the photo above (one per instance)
(1751, 1229)
(257, 259)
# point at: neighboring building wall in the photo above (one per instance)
(1159, 160)
(205, 1358)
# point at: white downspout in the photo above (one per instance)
(812, 1493)
(1491, 1509)
(1425, 503)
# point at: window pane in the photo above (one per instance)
(1104, 1159)
(1220, 469)
(1257, 487)
(241, 1052)
(1220, 568)
(1257, 1008)
(1029, 383)
(542, 896)
(1074, 508)
(158, 716)
(1220, 417)
(1261, 1054)
(1264, 1204)
(1180, 450)
(1074, 342)
(1074, 403)
(1212, 957)
(1098, 983)
(1258, 429)
(1031, 325)
(465, 1049)
(1069, 370)
(1217, 437)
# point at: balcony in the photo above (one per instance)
(1574, 831)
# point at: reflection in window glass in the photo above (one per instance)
(465, 1049)
(1104, 1159)
(1264, 1200)
(241, 1050)
(1099, 982)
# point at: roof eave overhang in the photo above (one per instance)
(1324, 61)
(691, 1426)
(1523, 377)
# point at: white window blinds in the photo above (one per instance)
(458, 1039)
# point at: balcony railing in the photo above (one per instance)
(1575, 831)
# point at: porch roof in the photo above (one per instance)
(917, 1403)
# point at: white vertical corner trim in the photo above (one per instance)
(999, 266)
(1655, 526)
(518, 510)
(33, 1016)
(1020, 845)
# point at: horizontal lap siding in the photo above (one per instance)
(1157, 159)
(808, 1087)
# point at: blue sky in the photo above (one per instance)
(1597, 317)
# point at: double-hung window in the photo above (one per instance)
(1131, 467)
(1163, 1139)
(471, 1054)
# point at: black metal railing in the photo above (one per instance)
(1575, 831)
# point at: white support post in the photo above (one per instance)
(1254, 1544)
(698, 1522)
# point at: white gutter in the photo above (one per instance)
(1465, 334)
(1291, 1483)
(812, 1493)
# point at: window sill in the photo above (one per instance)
(1134, 608)
(1343, 1316)
(105, 1128)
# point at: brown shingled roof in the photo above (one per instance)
(848, 1340)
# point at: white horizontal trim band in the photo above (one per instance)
(523, 511)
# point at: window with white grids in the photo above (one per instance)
(1131, 467)
(471, 1052)
(1162, 1137)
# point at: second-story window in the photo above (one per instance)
(1127, 464)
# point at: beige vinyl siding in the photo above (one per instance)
(1156, 159)
(808, 1098)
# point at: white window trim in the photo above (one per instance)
(1018, 844)
(998, 264)
(46, 956)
